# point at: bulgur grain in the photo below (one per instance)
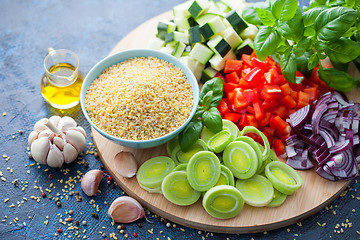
(140, 99)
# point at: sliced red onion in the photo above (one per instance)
(298, 119)
(316, 117)
(330, 128)
(325, 175)
(330, 141)
(290, 151)
(340, 146)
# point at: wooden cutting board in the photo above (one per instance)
(314, 195)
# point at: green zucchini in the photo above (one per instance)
(206, 18)
(219, 46)
(175, 36)
(195, 66)
(156, 43)
(165, 27)
(231, 37)
(198, 7)
(181, 10)
(201, 53)
(179, 49)
(207, 74)
(217, 62)
(236, 21)
(195, 35)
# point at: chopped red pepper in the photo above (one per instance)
(232, 78)
(234, 117)
(303, 99)
(233, 66)
(254, 77)
(279, 147)
(288, 101)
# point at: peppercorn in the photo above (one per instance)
(86, 164)
(84, 223)
(71, 212)
(51, 176)
(43, 195)
(102, 167)
(77, 223)
(77, 193)
(110, 178)
(58, 204)
(60, 230)
(94, 215)
(123, 226)
(140, 225)
(135, 234)
(104, 235)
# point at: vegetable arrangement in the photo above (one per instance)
(301, 39)
(229, 170)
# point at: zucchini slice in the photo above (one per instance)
(241, 159)
(165, 27)
(223, 202)
(152, 172)
(177, 189)
(201, 53)
(207, 74)
(206, 18)
(217, 62)
(181, 10)
(203, 170)
(219, 141)
(179, 49)
(207, 31)
(256, 191)
(219, 45)
(283, 177)
(195, 66)
(236, 21)
(198, 7)
(231, 37)
(278, 199)
(175, 36)
(195, 35)
(250, 32)
(156, 43)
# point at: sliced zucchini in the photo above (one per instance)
(195, 35)
(179, 49)
(223, 7)
(216, 24)
(247, 46)
(198, 7)
(201, 53)
(203, 170)
(167, 49)
(207, 74)
(241, 159)
(165, 27)
(231, 37)
(176, 189)
(257, 191)
(249, 32)
(206, 31)
(220, 140)
(156, 43)
(236, 21)
(181, 10)
(182, 24)
(195, 66)
(175, 36)
(223, 202)
(219, 45)
(237, 5)
(217, 62)
(206, 18)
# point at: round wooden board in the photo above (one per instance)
(314, 195)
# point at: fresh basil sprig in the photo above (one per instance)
(206, 114)
(301, 39)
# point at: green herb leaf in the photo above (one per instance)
(288, 67)
(199, 112)
(313, 61)
(207, 100)
(294, 28)
(266, 17)
(343, 50)
(266, 41)
(317, 3)
(284, 10)
(216, 86)
(332, 23)
(337, 80)
(302, 64)
(190, 134)
(212, 120)
(249, 13)
(310, 15)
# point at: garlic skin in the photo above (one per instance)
(56, 140)
(90, 182)
(126, 209)
(125, 164)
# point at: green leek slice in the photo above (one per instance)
(251, 129)
(231, 127)
(255, 146)
(223, 202)
(184, 157)
(278, 199)
(171, 147)
(176, 189)
(203, 170)
(180, 167)
(219, 141)
(151, 190)
(256, 191)
(206, 134)
(283, 177)
(226, 177)
(241, 159)
(152, 172)
(272, 157)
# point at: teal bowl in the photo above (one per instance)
(122, 56)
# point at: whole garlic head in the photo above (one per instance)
(56, 140)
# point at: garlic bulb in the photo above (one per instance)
(56, 140)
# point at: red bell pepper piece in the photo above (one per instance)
(254, 77)
(219, 75)
(250, 119)
(248, 95)
(246, 59)
(288, 101)
(243, 84)
(270, 92)
(259, 64)
(279, 147)
(229, 87)
(269, 106)
(281, 110)
(259, 112)
(265, 120)
(233, 66)
(303, 99)
(239, 100)
(281, 127)
(250, 109)
(234, 117)
(232, 78)
(313, 93)
(223, 107)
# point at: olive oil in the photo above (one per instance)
(61, 85)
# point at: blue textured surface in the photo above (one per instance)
(91, 29)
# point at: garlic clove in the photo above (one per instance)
(80, 129)
(125, 210)
(76, 139)
(125, 164)
(55, 120)
(59, 142)
(55, 157)
(32, 136)
(45, 133)
(90, 182)
(40, 126)
(66, 123)
(70, 153)
(40, 149)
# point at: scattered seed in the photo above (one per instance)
(51, 176)
(140, 225)
(135, 234)
(123, 226)
(77, 223)
(104, 235)
(84, 223)
(71, 212)
(69, 220)
(58, 204)
(71, 193)
(4, 114)
(168, 224)
(86, 164)
(43, 195)
(119, 227)
(77, 193)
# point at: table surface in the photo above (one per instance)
(91, 29)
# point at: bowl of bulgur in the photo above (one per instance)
(139, 98)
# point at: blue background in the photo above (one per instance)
(91, 29)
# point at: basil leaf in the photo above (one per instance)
(294, 28)
(216, 86)
(207, 100)
(342, 50)
(334, 3)
(212, 120)
(266, 17)
(337, 80)
(284, 10)
(250, 15)
(309, 31)
(310, 15)
(317, 3)
(288, 67)
(302, 64)
(313, 61)
(332, 23)
(266, 41)
(199, 112)
(190, 134)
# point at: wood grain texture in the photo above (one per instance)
(314, 195)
